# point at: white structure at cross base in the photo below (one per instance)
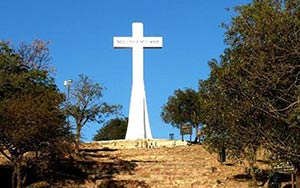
(138, 122)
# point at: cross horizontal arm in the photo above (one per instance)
(145, 42)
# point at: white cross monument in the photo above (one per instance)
(138, 123)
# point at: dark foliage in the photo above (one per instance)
(32, 125)
(251, 99)
(113, 130)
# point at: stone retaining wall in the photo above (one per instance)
(140, 143)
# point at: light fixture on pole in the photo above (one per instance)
(67, 84)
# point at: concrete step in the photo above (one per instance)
(182, 167)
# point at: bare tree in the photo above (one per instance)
(86, 105)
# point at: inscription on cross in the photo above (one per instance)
(137, 39)
(126, 42)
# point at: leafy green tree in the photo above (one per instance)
(31, 121)
(229, 124)
(183, 108)
(273, 68)
(217, 134)
(258, 78)
(86, 104)
(113, 130)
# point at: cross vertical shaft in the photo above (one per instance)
(137, 56)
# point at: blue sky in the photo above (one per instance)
(81, 35)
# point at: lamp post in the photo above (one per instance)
(67, 84)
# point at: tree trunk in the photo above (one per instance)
(252, 161)
(13, 179)
(297, 179)
(222, 155)
(252, 173)
(77, 139)
(17, 176)
(197, 137)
